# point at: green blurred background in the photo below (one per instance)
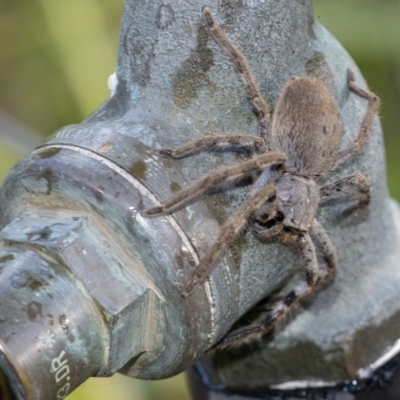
(56, 56)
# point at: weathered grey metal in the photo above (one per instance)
(78, 199)
(82, 209)
(354, 319)
(52, 334)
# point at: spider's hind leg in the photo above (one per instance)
(327, 249)
(367, 124)
(307, 249)
(314, 275)
(343, 187)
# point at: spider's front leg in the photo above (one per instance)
(327, 249)
(223, 176)
(228, 233)
(239, 221)
(237, 142)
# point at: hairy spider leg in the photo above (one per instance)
(223, 176)
(345, 185)
(306, 246)
(366, 126)
(255, 97)
(228, 233)
(265, 234)
(314, 275)
(233, 142)
(327, 249)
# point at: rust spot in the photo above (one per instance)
(48, 153)
(139, 169)
(179, 261)
(64, 323)
(175, 187)
(48, 175)
(192, 75)
(24, 279)
(34, 284)
(33, 310)
(8, 257)
(218, 205)
(236, 248)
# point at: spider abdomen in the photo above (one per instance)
(307, 127)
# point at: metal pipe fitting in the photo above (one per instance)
(82, 218)
(90, 287)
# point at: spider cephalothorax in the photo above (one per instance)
(292, 151)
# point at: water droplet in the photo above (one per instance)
(132, 212)
(35, 237)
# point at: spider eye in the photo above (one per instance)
(279, 216)
(277, 167)
(255, 110)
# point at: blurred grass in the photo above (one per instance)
(7, 159)
(55, 58)
(370, 31)
(123, 388)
